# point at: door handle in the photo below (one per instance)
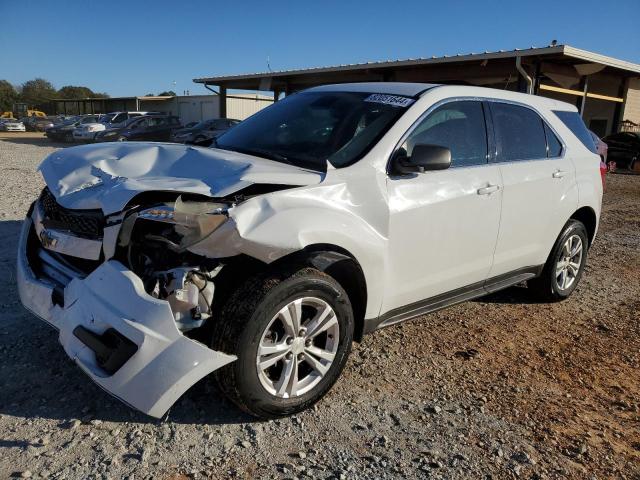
(489, 189)
(558, 174)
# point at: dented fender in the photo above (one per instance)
(274, 225)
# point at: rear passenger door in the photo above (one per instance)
(538, 187)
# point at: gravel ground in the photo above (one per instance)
(496, 388)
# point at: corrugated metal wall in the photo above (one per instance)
(194, 108)
(632, 102)
(245, 105)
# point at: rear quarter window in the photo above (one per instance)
(574, 122)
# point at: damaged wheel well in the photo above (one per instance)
(330, 259)
(343, 267)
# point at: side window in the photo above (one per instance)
(554, 147)
(574, 122)
(459, 126)
(157, 121)
(519, 133)
(143, 122)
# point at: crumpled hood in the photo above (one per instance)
(107, 176)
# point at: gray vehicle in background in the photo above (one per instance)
(205, 130)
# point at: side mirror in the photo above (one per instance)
(424, 157)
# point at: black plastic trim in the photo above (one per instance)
(453, 297)
(112, 349)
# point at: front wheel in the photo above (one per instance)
(292, 334)
(565, 265)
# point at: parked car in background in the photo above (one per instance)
(205, 130)
(37, 124)
(330, 214)
(64, 131)
(151, 128)
(88, 132)
(11, 125)
(624, 151)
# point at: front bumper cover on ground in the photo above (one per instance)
(164, 364)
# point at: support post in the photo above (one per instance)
(617, 113)
(583, 101)
(223, 101)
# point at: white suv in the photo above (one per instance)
(335, 212)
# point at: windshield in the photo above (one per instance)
(310, 128)
(107, 118)
(71, 120)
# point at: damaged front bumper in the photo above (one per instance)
(125, 340)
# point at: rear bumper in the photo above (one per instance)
(159, 363)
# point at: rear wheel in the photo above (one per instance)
(565, 265)
(292, 334)
(121, 139)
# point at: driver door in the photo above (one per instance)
(443, 224)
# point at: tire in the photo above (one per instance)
(121, 139)
(556, 283)
(199, 138)
(251, 319)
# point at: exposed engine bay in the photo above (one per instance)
(153, 243)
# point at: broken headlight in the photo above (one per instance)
(192, 221)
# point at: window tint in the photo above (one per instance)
(574, 122)
(554, 147)
(519, 133)
(143, 122)
(460, 127)
(158, 121)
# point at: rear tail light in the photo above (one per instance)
(603, 174)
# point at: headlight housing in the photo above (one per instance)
(192, 221)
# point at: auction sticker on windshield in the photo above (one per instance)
(394, 100)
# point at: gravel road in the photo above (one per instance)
(495, 388)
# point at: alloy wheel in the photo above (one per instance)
(298, 347)
(569, 262)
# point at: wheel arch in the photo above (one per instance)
(587, 216)
(343, 267)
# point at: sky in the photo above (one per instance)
(139, 47)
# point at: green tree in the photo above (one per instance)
(8, 96)
(37, 91)
(169, 93)
(71, 91)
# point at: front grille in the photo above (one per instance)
(83, 223)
